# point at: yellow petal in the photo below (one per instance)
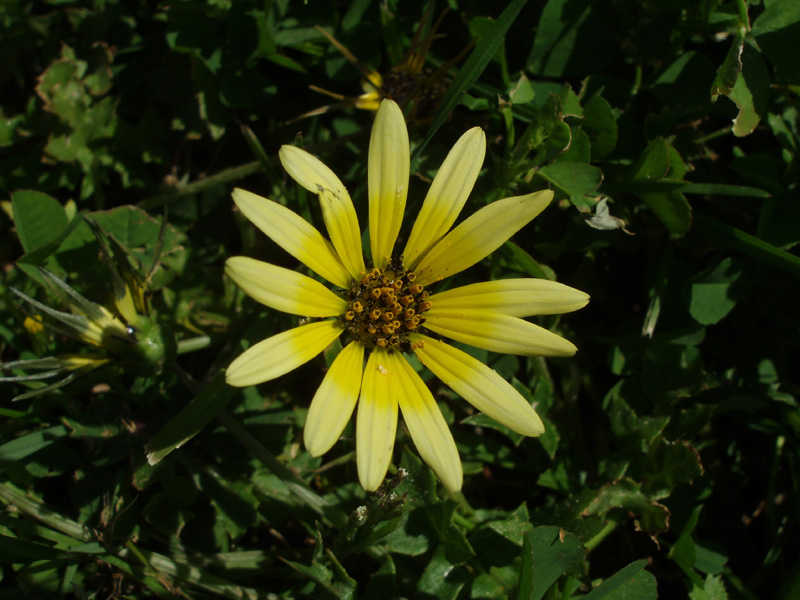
(497, 332)
(295, 235)
(377, 420)
(446, 197)
(479, 385)
(389, 163)
(515, 297)
(281, 353)
(337, 207)
(426, 425)
(283, 289)
(479, 235)
(334, 401)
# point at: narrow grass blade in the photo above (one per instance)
(746, 243)
(188, 423)
(28, 444)
(473, 67)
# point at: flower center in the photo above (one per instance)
(385, 307)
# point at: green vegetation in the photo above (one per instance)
(669, 132)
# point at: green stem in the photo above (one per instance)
(463, 521)
(601, 535)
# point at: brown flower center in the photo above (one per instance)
(385, 307)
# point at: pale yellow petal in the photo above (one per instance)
(479, 385)
(281, 353)
(497, 332)
(283, 289)
(446, 197)
(334, 401)
(479, 235)
(515, 297)
(337, 207)
(389, 163)
(295, 235)
(426, 425)
(376, 425)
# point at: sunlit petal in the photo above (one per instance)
(377, 420)
(389, 162)
(479, 385)
(337, 207)
(514, 297)
(283, 289)
(497, 332)
(426, 425)
(446, 197)
(480, 235)
(281, 353)
(334, 401)
(295, 235)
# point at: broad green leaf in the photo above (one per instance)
(441, 579)
(651, 517)
(577, 181)
(750, 93)
(714, 292)
(551, 552)
(139, 233)
(39, 218)
(629, 583)
(728, 72)
(777, 31)
(713, 589)
(600, 125)
(671, 208)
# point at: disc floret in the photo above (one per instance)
(385, 307)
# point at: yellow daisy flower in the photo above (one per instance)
(386, 310)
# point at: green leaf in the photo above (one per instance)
(441, 579)
(713, 589)
(600, 125)
(472, 68)
(777, 31)
(572, 39)
(750, 93)
(28, 444)
(188, 423)
(677, 85)
(629, 583)
(551, 552)
(658, 161)
(38, 218)
(714, 292)
(139, 234)
(14, 550)
(748, 244)
(575, 180)
(728, 72)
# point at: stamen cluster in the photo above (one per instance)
(385, 306)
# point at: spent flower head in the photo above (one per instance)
(386, 311)
(410, 83)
